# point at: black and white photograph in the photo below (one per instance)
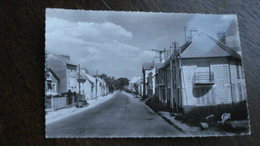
(123, 74)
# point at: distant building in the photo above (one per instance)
(133, 84)
(102, 89)
(148, 81)
(140, 86)
(87, 85)
(203, 72)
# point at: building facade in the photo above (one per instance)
(148, 72)
(51, 83)
(203, 72)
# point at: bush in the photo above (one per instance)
(156, 105)
(238, 111)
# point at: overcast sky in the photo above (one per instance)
(117, 43)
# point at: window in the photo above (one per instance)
(49, 86)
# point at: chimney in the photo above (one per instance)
(222, 37)
(175, 44)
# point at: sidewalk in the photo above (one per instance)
(57, 115)
(191, 131)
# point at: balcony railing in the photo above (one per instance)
(203, 78)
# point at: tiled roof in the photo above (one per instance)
(204, 45)
(57, 64)
(50, 70)
(158, 65)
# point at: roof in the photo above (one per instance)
(55, 76)
(147, 66)
(91, 78)
(58, 64)
(204, 45)
(158, 66)
(85, 76)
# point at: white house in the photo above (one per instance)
(133, 84)
(65, 71)
(101, 87)
(148, 80)
(72, 76)
(203, 72)
(51, 82)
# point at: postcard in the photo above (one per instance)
(120, 74)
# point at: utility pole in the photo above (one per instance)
(79, 78)
(185, 31)
(96, 85)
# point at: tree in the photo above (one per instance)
(121, 82)
(110, 81)
(114, 84)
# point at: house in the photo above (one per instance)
(140, 87)
(203, 72)
(72, 76)
(133, 84)
(90, 86)
(65, 71)
(86, 85)
(101, 86)
(148, 72)
(51, 83)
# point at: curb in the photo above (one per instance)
(171, 123)
(166, 119)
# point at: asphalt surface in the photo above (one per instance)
(120, 116)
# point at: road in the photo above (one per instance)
(120, 116)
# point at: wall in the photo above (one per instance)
(218, 93)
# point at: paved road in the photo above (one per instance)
(120, 116)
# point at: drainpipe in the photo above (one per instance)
(79, 78)
(96, 86)
(180, 82)
(171, 77)
(52, 103)
(231, 89)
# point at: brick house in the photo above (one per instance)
(203, 72)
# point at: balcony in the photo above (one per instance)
(203, 78)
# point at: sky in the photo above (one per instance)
(117, 43)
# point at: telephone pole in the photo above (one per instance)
(79, 78)
(96, 84)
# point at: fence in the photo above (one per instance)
(58, 102)
(53, 103)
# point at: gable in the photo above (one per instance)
(203, 46)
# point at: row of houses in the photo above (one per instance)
(205, 71)
(62, 77)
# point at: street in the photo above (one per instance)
(120, 116)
